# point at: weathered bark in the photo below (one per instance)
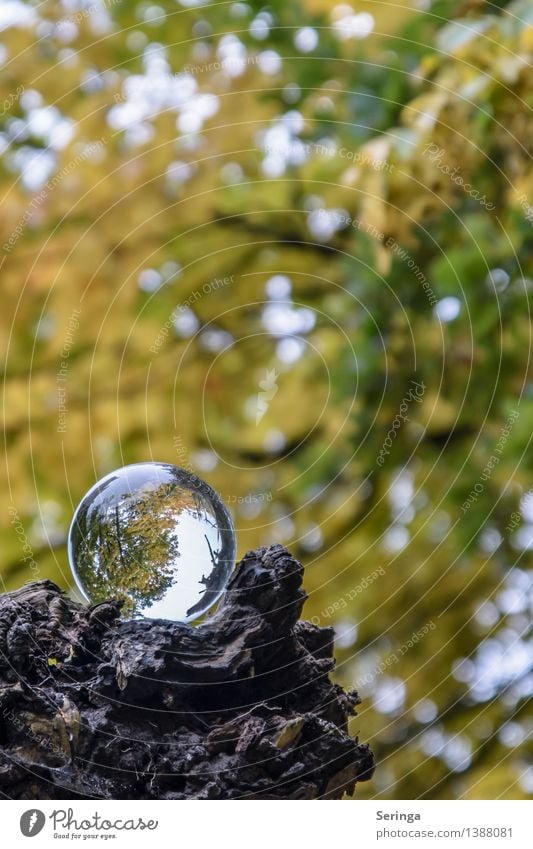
(240, 706)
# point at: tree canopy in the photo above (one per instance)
(289, 247)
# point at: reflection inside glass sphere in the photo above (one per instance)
(156, 537)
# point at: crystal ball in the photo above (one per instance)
(155, 536)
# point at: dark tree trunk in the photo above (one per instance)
(240, 706)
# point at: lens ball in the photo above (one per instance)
(156, 537)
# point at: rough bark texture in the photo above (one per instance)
(238, 707)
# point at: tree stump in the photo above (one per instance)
(240, 706)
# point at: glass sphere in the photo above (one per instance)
(156, 537)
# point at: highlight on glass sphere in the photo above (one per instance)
(155, 536)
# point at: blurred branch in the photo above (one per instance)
(271, 234)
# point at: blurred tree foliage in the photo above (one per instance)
(235, 237)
